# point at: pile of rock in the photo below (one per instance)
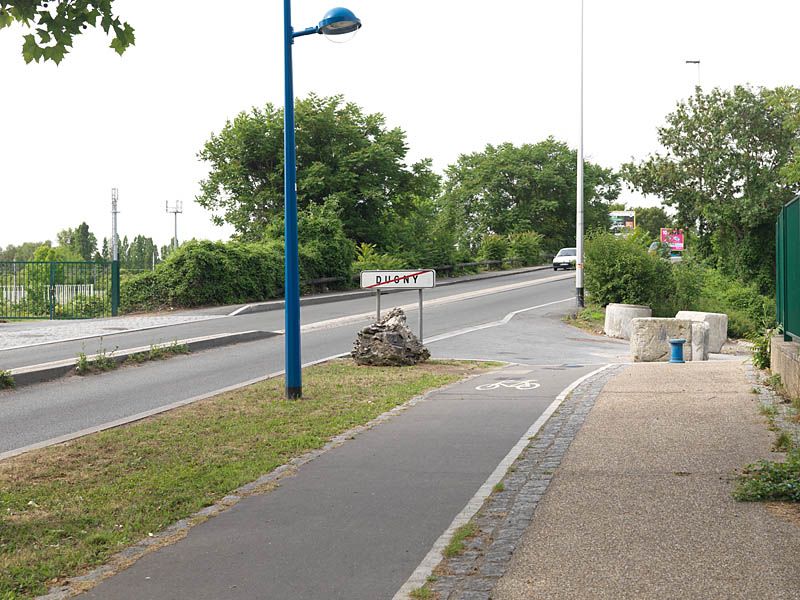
(389, 343)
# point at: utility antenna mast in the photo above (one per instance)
(175, 210)
(114, 212)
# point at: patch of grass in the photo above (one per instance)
(768, 480)
(776, 383)
(421, 593)
(67, 508)
(499, 487)
(159, 352)
(783, 442)
(768, 410)
(590, 318)
(6, 380)
(456, 545)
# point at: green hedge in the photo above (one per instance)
(620, 269)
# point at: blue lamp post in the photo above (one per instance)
(336, 21)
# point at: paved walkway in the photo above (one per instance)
(641, 507)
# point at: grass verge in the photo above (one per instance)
(67, 508)
(591, 318)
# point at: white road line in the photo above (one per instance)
(370, 316)
(435, 556)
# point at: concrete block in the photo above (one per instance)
(619, 317)
(718, 322)
(785, 361)
(650, 338)
(700, 334)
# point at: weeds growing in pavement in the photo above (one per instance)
(783, 442)
(456, 545)
(6, 380)
(771, 480)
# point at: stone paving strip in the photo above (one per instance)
(507, 513)
(19, 335)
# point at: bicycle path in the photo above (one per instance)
(355, 522)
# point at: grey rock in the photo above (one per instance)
(389, 343)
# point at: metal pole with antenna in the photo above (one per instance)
(175, 210)
(114, 254)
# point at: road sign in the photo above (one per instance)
(406, 280)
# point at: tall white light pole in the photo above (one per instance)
(579, 300)
(695, 62)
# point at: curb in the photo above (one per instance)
(53, 370)
(248, 309)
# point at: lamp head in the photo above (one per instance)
(338, 22)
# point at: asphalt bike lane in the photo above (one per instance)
(355, 522)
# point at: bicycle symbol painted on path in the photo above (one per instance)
(525, 384)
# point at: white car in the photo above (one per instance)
(565, 259)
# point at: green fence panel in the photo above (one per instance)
(787, 287)
(56, 290)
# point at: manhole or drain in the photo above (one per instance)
(115, 329)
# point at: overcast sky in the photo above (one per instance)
(454, 74)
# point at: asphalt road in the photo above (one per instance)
(264, 321)
(41, 412)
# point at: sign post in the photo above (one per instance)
(419, 279)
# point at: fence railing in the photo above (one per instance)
(58, 290)
(787, 269)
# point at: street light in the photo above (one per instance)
(337, 21)
(579, 299)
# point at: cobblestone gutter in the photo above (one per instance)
(506, 514)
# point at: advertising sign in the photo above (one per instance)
(673, 237)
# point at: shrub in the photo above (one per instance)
(619, 269)
(367, 258)
(525, 246)
(748, 311)
(493, 247)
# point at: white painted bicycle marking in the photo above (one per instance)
(525, 384)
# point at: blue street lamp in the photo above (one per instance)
(336, 21)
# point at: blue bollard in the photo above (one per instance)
(677, 350)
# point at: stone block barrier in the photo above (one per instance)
(650, 338)
(619, 317)
(718, 326)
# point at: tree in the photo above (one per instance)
(52, 25)
(142, 253)
(23, 252)
(343, 154)
(724, 170)
(508, 189)
(81, 241)
(651, 219)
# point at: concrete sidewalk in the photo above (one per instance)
(641, 507)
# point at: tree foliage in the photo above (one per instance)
(651, 219)
(343, 154)
(80, 241)
(53, 24)
(508, 189)
(727, 155)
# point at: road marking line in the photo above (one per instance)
(369, 316)
(435, 556)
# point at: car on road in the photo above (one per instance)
(565, 259)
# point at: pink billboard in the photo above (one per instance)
(673, 237)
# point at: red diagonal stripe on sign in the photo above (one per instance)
(400, 276)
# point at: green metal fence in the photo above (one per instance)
(787, 267)
(58, 290)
